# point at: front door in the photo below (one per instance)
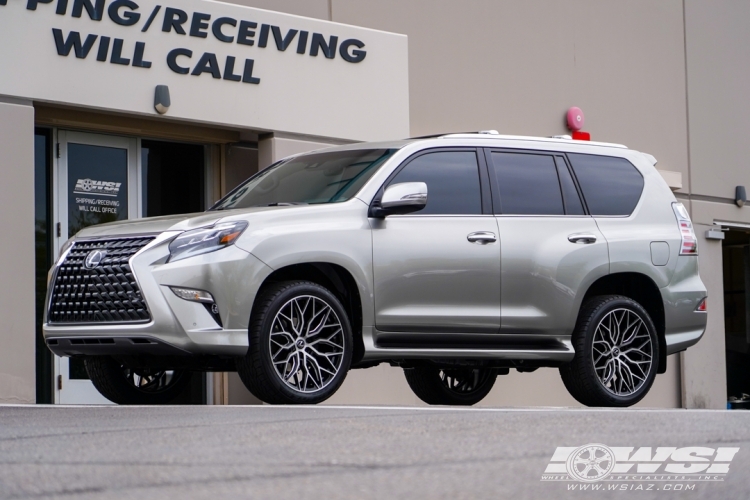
(95, 183)
(432, 274)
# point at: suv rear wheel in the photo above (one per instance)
(300, 345)
(127, 386)
(617, 353)
(463, 386)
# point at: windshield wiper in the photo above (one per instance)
(286, 204)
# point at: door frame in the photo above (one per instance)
(82, 391)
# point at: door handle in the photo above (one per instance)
(482, 237)
(585, 238)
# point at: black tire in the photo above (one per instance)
(116, 382)
(300, 352)
(601, 376)
(461, 387)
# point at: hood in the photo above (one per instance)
(152, 224)
(182, 222)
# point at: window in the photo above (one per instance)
(573, 205)
(528, 184)
(610, 185)
(308, 179)
(452, 179)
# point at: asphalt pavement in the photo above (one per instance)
(325, 452)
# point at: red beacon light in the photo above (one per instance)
(581, 136)
(575, 120)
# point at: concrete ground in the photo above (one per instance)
(342, 452)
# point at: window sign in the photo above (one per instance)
(97, 185)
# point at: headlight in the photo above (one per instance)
(204, 240)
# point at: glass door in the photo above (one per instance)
(95, 182)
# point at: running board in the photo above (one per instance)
(471, 341)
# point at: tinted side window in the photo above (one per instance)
(452, 179)
(611, 186)
(573, 205)
(528, 184)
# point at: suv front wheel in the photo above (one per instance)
(617, 353)
(300, 345)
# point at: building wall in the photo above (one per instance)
(17, 356)
(518, 66)
(718, 81)
(319, 9)
(718, 72)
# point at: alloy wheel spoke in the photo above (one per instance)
(622, 352)
(308, 333)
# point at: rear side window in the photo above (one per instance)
(573, 205)
(611, 186)
(452, 179)
(528, 184)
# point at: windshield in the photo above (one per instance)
(308, 179)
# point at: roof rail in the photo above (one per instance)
(494, 134)
(558, 139)
(435, 136)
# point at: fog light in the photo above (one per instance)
(193, 295)
(202, 297)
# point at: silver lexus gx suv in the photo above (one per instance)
(456, 258)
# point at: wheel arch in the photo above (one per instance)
(335, 278)
(641, 289)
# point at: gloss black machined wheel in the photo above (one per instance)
(124, 385)
(617, 353)
(300, 345)
(462, 386)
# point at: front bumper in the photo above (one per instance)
(232, 275)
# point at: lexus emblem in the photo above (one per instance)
(94, 258)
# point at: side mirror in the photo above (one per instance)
(399, 199)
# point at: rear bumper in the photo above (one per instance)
(177, 326)
(684, 326)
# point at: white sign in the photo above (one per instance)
(224, 64)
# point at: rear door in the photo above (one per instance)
(552, 250)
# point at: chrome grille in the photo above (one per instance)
(107, 293)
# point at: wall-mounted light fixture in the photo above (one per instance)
(715, 233)
(740, 196)
(162, 102)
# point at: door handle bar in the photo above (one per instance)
(582, 238)
(482, 237)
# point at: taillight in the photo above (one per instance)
(702, 306)
(689, 243)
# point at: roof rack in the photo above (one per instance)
(494, 134)
(435, 136)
